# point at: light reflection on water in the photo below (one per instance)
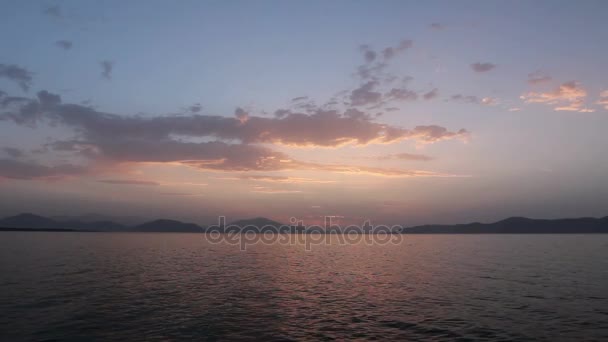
(434, 287)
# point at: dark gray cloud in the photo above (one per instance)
(488, 101)
(465, 98)
(21, 76)
(482, 67)
(365, 95)
(374, 67)
(369, 55)
(437, 26)
(299, 98)
(64, 44)
(106, 69)
(13, 152)
(16, 169)
(401, 94)
(195, 108)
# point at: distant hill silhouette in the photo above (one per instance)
(27, 220)
(513, 225)
(163, 225)
(31, 221)
(519, 225)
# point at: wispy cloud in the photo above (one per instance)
(25, 170)
(482, 67)
(488, 101)
(431, 94)
(266, 190)
(129, 182)
(106, 69)
(184, 194)
(64, 44)
(53, 11)
(538, 77)
(278, 179)
(437, 26)
(404, 156)
(21, 76)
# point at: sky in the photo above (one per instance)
(398, 112)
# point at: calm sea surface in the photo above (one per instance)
(120, 286)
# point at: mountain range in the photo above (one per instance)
(513, 225)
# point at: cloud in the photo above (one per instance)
(64, 44)
(374, 171)
(237, 143)
(374, 66)
(369, 55)
(128, 182)
(323, 128)
(465, 98)
(266, 190)
(431, 94)
(16, 169)
(390, 52)
(482, 67)
(538, 77)
(569, 96)
(13, 152)
(22, 77)
(365, 95)
(405, 156)
(401, 94)
(587, 110)
(299, 98)
(195, 108)
(603, 101)
(53, 11)
(185, 194)
(488, 101)
(106, 69)
(437, 26)
(279, 179)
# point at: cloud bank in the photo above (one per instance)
(238, 143)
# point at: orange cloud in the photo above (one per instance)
(404, 156)
(278, 179)
(569, 96)
(603, 101)
(265, 190)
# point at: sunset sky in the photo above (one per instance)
(402, 112)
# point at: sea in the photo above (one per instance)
(77, 286)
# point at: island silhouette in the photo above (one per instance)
(512, 225)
